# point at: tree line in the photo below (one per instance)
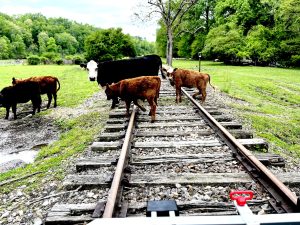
(48, 40)
(263, 32)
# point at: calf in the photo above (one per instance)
(166, 69)
(48, 85)
(189, 78)
(20, 93)
(144, 87)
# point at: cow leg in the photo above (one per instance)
(178, 95)
(55, 98)
(14, 109)
(115, 101)
(203, 91)
(155, 100)
(7, 112)
(127, 107)
(36, 104)
(153, 109)
(49, 100)
(39, 103)
(136, 102)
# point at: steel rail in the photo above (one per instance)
(113, 193)
(287, 200)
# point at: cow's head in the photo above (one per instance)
(170, 74)
(166, 69)
(109, 92)
(92, 68)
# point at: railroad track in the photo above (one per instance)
(183, 156)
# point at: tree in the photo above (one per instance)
(51, 45)
(42, 41)
(244, 13)
(142, 46)
(5, 50)
(108, 44)
(225, 42)
(184, 46)
(161, 39)
(67, 42)
(192, 31)
(288, 32)
(18, 48)
(197, 45)
(171, 13)
(260, 45)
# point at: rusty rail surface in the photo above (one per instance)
(113, 193)
(284, 198)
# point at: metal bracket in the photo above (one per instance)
(162, 208)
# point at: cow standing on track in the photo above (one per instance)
(48, 85)
(109, 72)
(145, 87)
(20, 93)
(189, 78)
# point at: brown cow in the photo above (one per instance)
(20, 93)
(133, 89)
(47, 86)
(189, 78)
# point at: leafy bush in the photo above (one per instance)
(295, 60)
(44, 60)
(78, 59)
(51, 55)
(33, 60)
(58, 61)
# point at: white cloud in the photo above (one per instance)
(99, 13)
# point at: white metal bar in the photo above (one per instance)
(172, 213)
(287, 218)
(246, 214)
(154, 214)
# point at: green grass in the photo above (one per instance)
(76, 133)
(75, 87)
(272, 97)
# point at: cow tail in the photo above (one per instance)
(58, 85)
(161, 70)
(209, 82)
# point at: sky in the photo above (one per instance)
(99, 13)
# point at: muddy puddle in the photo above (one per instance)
(21, 139)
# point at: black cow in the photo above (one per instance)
(109, 72)
(20, 93)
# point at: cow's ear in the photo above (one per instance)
(175, 69)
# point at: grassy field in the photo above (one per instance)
(269, 98)
(75, 86)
